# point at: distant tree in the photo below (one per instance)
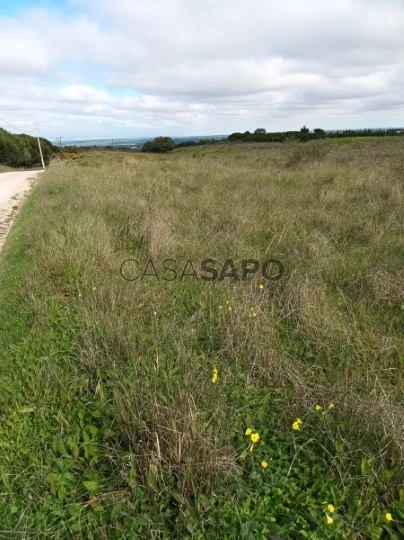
(22, 150)
(247, 133)
(304, 134)
(319, 133)
(235, 136)
(260, 131)
(159, 145)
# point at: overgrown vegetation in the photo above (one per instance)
(159, 145)
(22, 150)
(261, 135)
(187, 409)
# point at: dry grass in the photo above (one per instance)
(329, 331)
(338, 229)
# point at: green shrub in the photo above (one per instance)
(22, 150)
(159, 145)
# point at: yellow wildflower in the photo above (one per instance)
(318, 408)
(255, 437)
(261, 286)
(331, 508)
(297, 424)
(331, 406)
(154, 313)
(215, 375)
(389, 517)
(248, 431)
(264, 464)
(330, 520)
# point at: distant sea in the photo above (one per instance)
(134, 143)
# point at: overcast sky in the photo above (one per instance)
(122, 68)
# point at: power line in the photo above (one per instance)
(8, 123)
(13, 127)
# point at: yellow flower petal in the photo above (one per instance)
(297, 424)
(264, 464)
(330, 508)
(215, 375)
(248, 431)
(255, 437)
(330, 520)
(318, 407)
(389, 517)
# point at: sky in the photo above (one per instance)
(134, 68)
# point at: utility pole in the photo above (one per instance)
(40, 150)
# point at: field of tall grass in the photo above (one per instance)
(248, 409)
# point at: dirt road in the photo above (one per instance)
(13, 188)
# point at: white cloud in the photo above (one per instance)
(82, 93)
(112, 66)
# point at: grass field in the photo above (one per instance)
(5, 168)
(248, 409)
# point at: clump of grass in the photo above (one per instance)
(125, 404)
(298, 153)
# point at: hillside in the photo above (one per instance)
(139, 404)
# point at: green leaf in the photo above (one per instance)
(365, 467)
(26, 410)
(91, 486)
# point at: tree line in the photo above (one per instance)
(22, 150)
(166, 144)
(305, 134)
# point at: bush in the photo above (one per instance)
(22, 150)
(159, 144)
(186, 143)
(237, 136)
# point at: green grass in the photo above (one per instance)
(111, 426)
(5, 168)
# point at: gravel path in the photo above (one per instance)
(13, 188)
